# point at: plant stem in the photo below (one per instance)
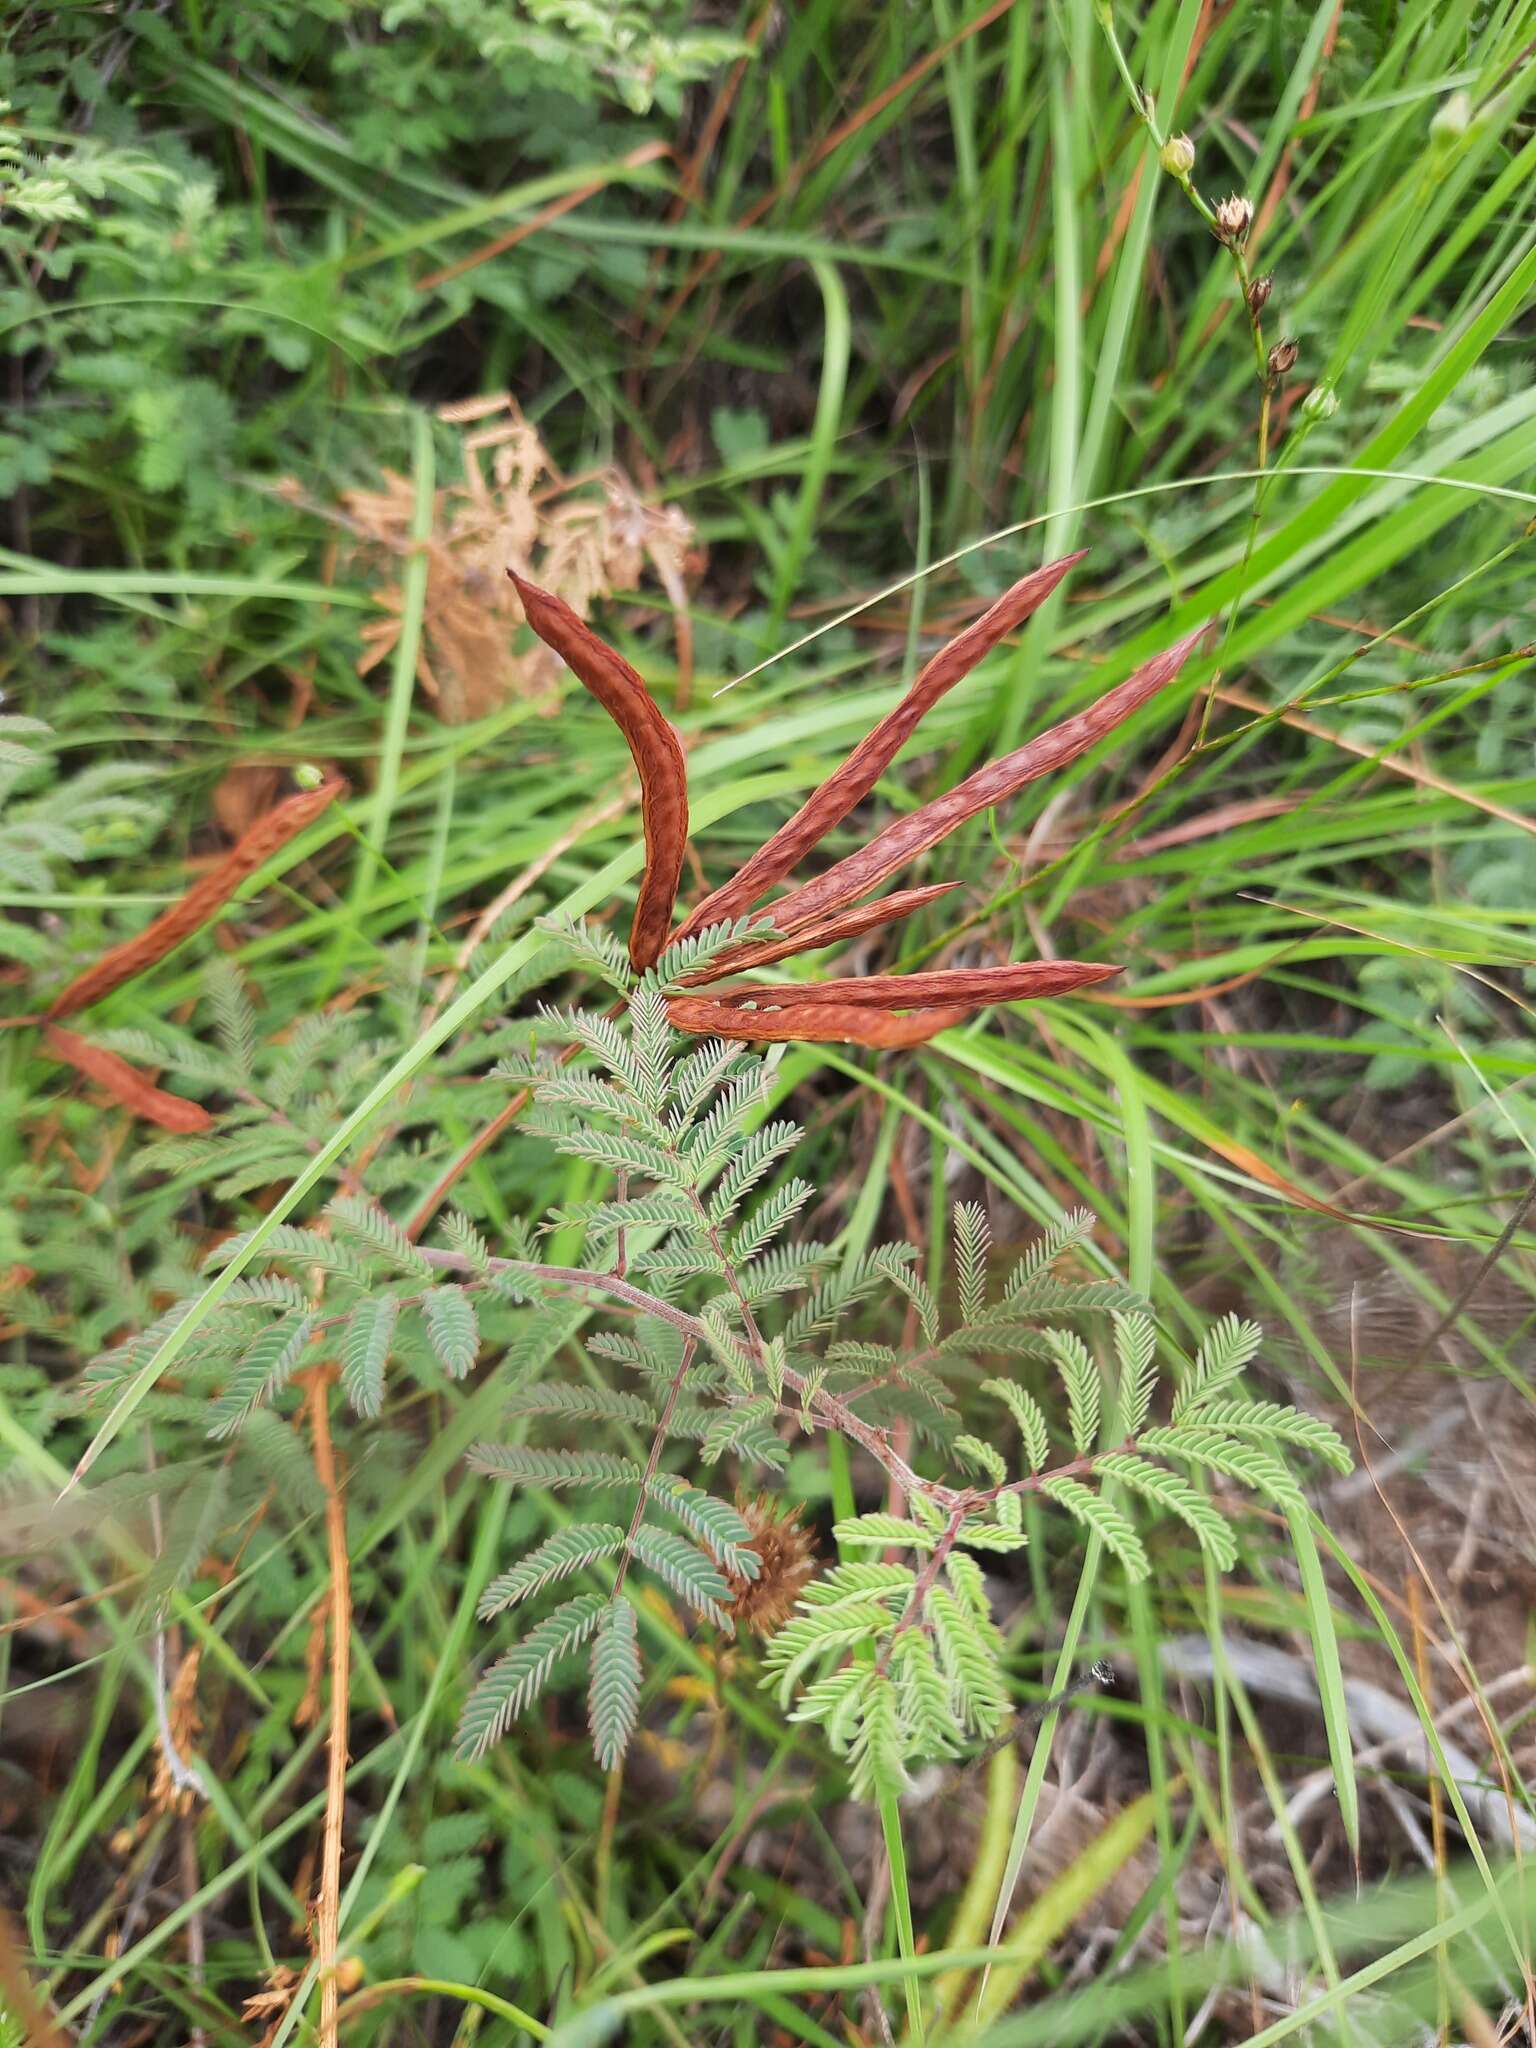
(832, 1413)
(328, 1906)
(923, 1585)
(657, 1442)
(901, 1902)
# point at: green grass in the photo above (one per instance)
(980, 326)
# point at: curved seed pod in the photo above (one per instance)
(658, 757)
(124, 1083)
(970, 987)
(120, 963)
(991, 784)
(810, 1023)
(848, 785)
(851, 924)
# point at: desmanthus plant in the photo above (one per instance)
(731, 1332)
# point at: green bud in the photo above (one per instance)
(1177, 156)
(1320, 403)
(308, 776)
(1453, 119)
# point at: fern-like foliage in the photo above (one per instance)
(714, 1336)
(900, 1662)
(739, 1333)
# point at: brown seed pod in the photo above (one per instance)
(1282, 358)
(851, 924)
(810, 1023)
(848, 785)
(657, 752)
(970, 987)
(124, 1083)
(907, 837)
(786, 1557)
(208, 894)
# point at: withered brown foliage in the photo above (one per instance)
(591, 536)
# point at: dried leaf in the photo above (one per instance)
(120, 963)
(125, 1084)
(851, 924)
(810, 1023)
(658, 756)
(591, 536)
(1249, 1162)
(972, 988)
(907, 837)
(848, 785)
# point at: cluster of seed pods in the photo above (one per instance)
(881, 1009)
(836, 905)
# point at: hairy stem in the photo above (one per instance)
(826, 1408)
(927, 1579)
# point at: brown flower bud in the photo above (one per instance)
(1258, 295)
(1234, 217)
(1282, 357)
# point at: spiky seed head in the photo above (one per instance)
(1177, 156)
(786, 1562)
(1234, 217)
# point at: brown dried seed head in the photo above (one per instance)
(848, 785)
(1282, 358)
(206, 895)
(657, 752)
(851, 924)
(1258, 295)
(811, 1023)
(786, 1554)
(124, 1083)
(1234, 217)
(852, 878)
(974, 988)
